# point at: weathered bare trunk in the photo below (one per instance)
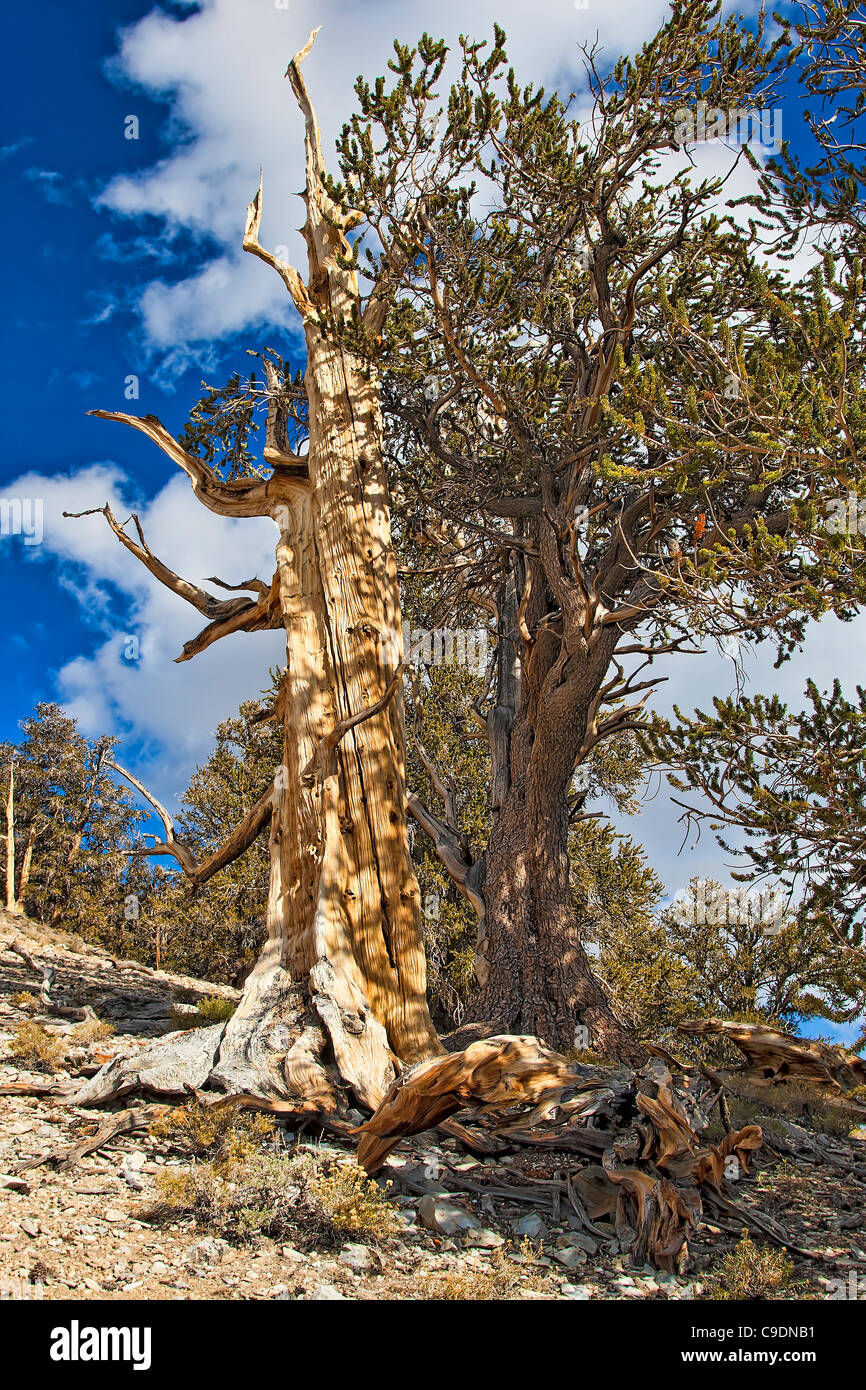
(26, 865)
(343, 911)
(337, 998)
(344, 906)
(12, 903)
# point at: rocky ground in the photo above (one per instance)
(463, 1227)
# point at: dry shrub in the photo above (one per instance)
(753, 1272)
(501, 1280)
(91, 1031)
(23, 999)
(785, 1180)
(792, 1100)
(349, 1200)
(300, 1197)
(33, 1045)
(224, 1135)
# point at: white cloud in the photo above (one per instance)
(171, 709)
(226, 296)
(233, 111)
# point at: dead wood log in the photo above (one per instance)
(39, 1088)
(48, 973)
(644, 1132)
(121, 1122)
(773, 1056)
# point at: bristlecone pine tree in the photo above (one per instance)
(622, 426)
(337, 997)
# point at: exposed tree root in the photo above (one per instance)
(315, 1047)
(654, 1166)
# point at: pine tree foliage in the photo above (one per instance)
(792, 785)
(73, 827)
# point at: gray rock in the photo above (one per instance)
(575, 1240)
(445, 1217)
(357, 1257)
(209, 1251)
(8, 1180)
(570, 1256)
(531, 1226)
(406, 1220)
(484, 1239)
(325, 1293)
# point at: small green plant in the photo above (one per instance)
(35, 1046)
(785, 1180)
(753, 1272)
(214, 1009)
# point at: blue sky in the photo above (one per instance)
(122, 257)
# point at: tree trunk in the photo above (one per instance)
(12, 903)
(538, 979)
(533, 971)
(337, 999)
(343, 912)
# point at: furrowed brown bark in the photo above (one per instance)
(534, 973)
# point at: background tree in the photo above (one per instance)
(710, 955)
(74, 826)
(217, 932)
(794, 786)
